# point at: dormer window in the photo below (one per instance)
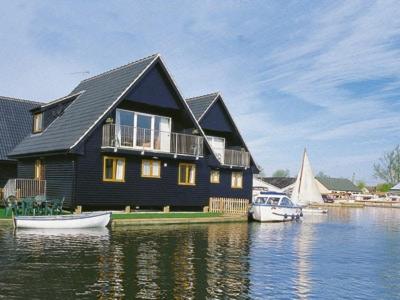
(37, 122)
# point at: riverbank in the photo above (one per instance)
(157, 218)
(360, 204)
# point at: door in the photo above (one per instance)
(163, 129)
(218, 145)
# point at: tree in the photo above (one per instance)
(281, 173)
(321, 174)
(383, 187)
(388, 167)
(361, 185)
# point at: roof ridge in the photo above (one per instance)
(202, 96)
(20, 100)
(120, 67)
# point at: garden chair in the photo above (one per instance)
(57, 206)
(28, 206)
(41, 204)
(11, 205)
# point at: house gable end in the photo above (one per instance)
(155, 89)
(217, 119)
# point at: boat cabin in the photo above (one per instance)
(273, 199)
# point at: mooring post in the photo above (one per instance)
(127, 209)
(166, 209)
(78, 209)
(206, 209)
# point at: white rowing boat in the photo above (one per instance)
(84, 220)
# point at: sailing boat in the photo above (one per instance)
(305, 191)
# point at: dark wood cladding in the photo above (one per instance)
(224, 189)
(7, 170)
(136, 190)
(59, 172)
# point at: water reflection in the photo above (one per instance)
(349, 254)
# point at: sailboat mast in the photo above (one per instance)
(301, 171)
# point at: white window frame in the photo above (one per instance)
(152, 129)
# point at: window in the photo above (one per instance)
(151, 168)
(37, 122)
(113, 169)
(214, 176)
(39, 169)
(237, 180)
(146, 131)
(187, 174)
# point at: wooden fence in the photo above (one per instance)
(229, 206)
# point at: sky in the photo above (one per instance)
(317, 74)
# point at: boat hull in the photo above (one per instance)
(85, 220)
(264, 213)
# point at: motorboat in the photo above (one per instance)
(83, 220)
(275, 207)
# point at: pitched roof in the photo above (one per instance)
(338, 184)
(15, 123)
(280, 182)
(98, 95)
(199, 105)
(396, 187)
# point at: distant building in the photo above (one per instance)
(337, 187)
(15, 125)
(285, 184)
(396, 189)
(260, 185)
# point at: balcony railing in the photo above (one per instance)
(21, 188)
(129, 137)
(236, 158)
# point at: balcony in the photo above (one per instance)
(143, 139)
(236, 158)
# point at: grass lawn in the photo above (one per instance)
(149, 215)
(156, 215)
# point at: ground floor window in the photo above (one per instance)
(214, 176)
(113, 169)
(151, 168)
(237, 180)
(187, 174)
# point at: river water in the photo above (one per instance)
(349, 254)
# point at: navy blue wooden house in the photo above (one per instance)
(128, 137)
